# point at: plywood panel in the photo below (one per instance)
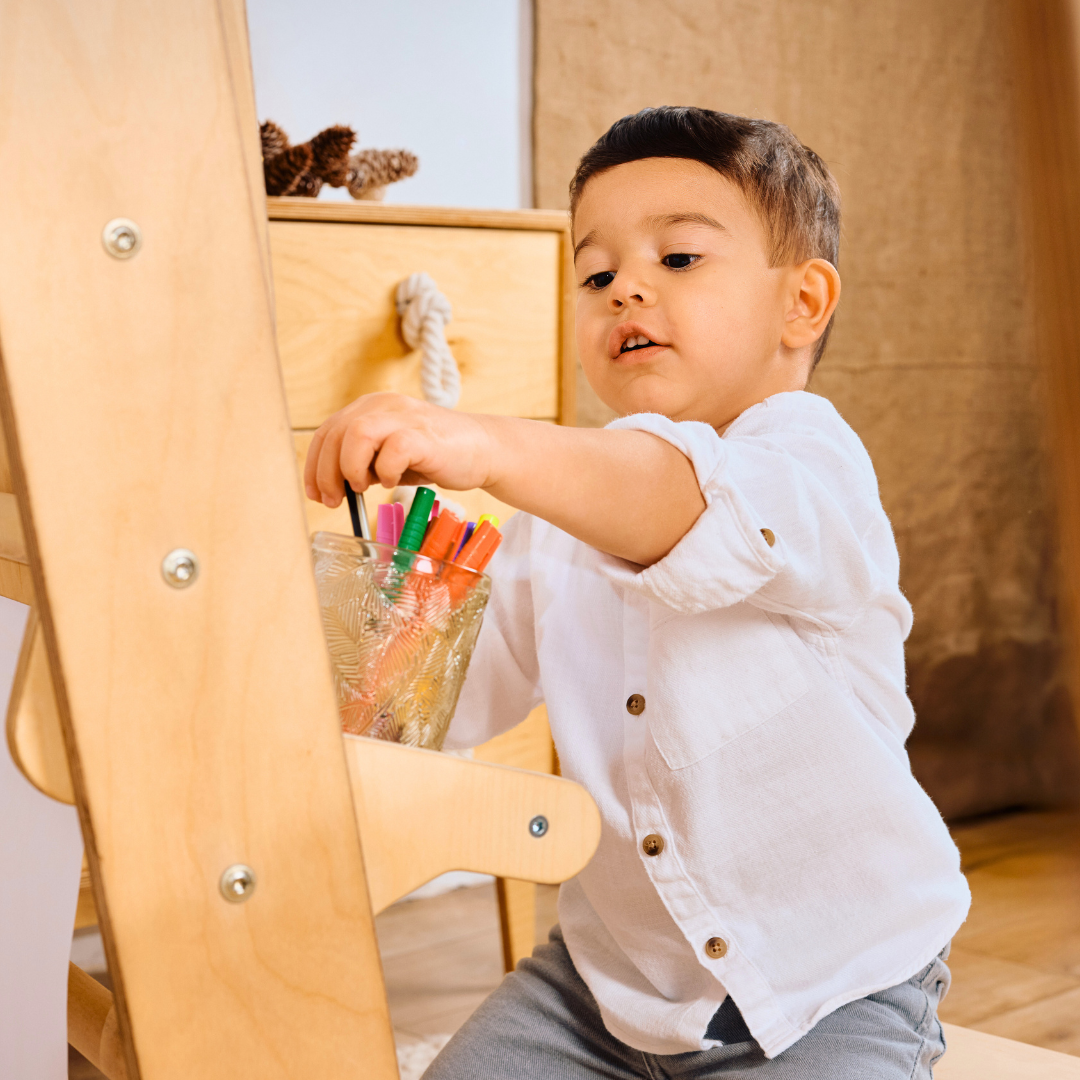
(143, 410)
(422, 813)
(338, 329)
(932, 360)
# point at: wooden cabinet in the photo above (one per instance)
(507, 273)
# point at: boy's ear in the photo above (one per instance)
(815, 292)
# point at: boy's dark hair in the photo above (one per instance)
(788, 185)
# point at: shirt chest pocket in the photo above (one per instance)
(714, 677)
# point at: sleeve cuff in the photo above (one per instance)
(725, 557)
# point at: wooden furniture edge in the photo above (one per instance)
(292, 208)
(35, 737)
(422, 813)
(568, 333)
(977, 1055)
(92, 1025)
(12, 541)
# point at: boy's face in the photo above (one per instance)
(670, 253)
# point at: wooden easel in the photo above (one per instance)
(143, 413)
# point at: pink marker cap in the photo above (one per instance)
(384, 526)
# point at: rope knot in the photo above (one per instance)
(424, 314)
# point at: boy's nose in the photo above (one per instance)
(629, 291)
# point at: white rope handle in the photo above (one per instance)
(424, 313)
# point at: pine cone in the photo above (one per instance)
(376, 168)
(330, 150)
(283, 173)
(274, 140)
(308, 185)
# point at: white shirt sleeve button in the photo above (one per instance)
(715, 948)
(770, 536)
(652, 844)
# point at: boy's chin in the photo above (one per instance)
(643, 398)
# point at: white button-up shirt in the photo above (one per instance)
(769, 756)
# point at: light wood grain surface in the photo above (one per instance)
(143, 410)
(423, 813)
(92, 1024)
(528, 745)
(35, 737)
(338, 328)
(974, 1055)
(12, 541)
(1016, 961)
(16, 581)
(372, 213)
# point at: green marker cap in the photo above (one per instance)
(412, 535)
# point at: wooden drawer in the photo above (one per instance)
(335, 273)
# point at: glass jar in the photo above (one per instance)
(401, 630)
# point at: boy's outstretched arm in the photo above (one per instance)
(628, 493)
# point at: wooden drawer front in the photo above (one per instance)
(338, 330)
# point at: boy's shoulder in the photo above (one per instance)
(793, 410)
(808, 419)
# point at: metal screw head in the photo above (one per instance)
(237, 883)
(180, 568)
(538, 826)
(122, 238)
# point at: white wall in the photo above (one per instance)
(449, 81)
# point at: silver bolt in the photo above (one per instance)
(238, 883)
(538, 826)
(122, 238)
(180, 568)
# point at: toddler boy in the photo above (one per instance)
(705, 594)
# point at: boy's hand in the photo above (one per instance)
(391, 439)
(629, 493)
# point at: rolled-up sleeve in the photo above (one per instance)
(788, 523)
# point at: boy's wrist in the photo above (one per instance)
(500, 456)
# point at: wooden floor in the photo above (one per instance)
(1015, 963)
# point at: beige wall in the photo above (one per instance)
(931, 361)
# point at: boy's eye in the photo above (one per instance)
(679, 261)
(601, 280)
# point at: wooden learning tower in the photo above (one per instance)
(184, 702)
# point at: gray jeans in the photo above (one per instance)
(542, 1023)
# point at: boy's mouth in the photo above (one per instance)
(630, 338)
(638, 341)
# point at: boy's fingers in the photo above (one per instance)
(328, 470)
(357, 450)
(311, 486)
(397, 453)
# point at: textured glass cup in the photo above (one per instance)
(401, 630)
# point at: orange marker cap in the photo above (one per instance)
(438, 544)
